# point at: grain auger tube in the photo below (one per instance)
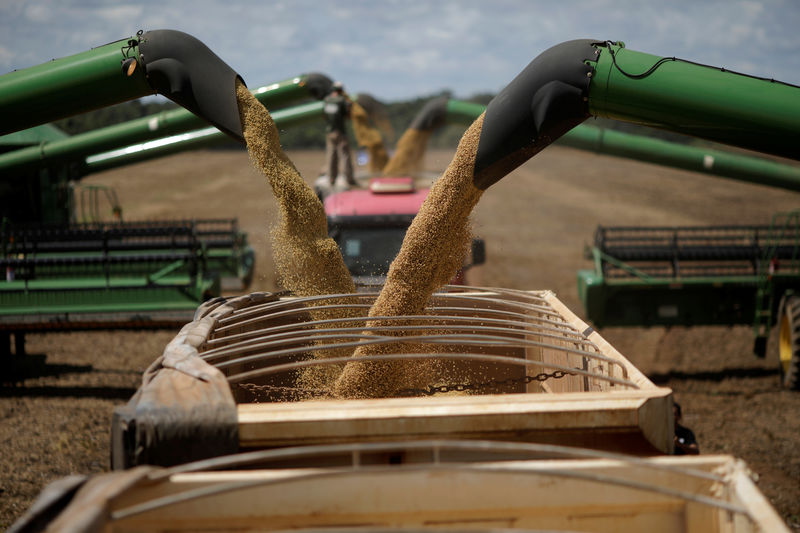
(702, 159)
(442, 110)
(574, 80)
(121, 139)
(168, 62)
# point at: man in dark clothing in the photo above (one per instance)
(337, 110)
(685, 443)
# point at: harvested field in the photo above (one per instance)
(536, 221)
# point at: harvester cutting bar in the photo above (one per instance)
(79, 261)
(80, 253)
(129, 235)
(108, 247)
(717, 250)
(97, 238)
(224, 229)
(103, 276)
(715, 275)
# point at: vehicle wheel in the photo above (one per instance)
(789, 343)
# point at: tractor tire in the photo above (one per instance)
(789, 342)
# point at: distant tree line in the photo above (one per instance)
(312, 135)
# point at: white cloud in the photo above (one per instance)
(10, 9)
(396, 48)
(39, 14)
(750, 9)
(119, 14)
(6, 56)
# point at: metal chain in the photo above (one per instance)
(461, 387)
(295, 393)
(286, 393)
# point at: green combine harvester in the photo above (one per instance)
(66, 268)
(663, 276)
(713, 275)
(743, 290)
(698, 276)
(559, 89)
(658, 282)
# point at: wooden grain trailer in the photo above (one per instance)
(544, 427)
(518, 366)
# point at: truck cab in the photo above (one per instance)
(369, 223)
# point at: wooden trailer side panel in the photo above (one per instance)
(603, 495)
(629, 421)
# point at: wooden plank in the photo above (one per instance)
(746, 492)
(519, 417)
(554, 494)
(634, 374)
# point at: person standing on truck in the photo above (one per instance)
(337, 110)
(685, 442)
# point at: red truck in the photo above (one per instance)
(369, 223)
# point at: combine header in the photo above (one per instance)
(135, 274)
(686, 275)
(697, 276)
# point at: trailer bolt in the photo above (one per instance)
(589, 74)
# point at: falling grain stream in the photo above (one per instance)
(310, 263)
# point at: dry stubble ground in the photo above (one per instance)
(536, 221)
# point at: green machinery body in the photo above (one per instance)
(35, 178)
(683, 275)
(708, 275)
(697, 275)
(672, 279)
(62, 273)
(701, 159)
(705, 102)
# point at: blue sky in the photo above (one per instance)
(396, 49)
